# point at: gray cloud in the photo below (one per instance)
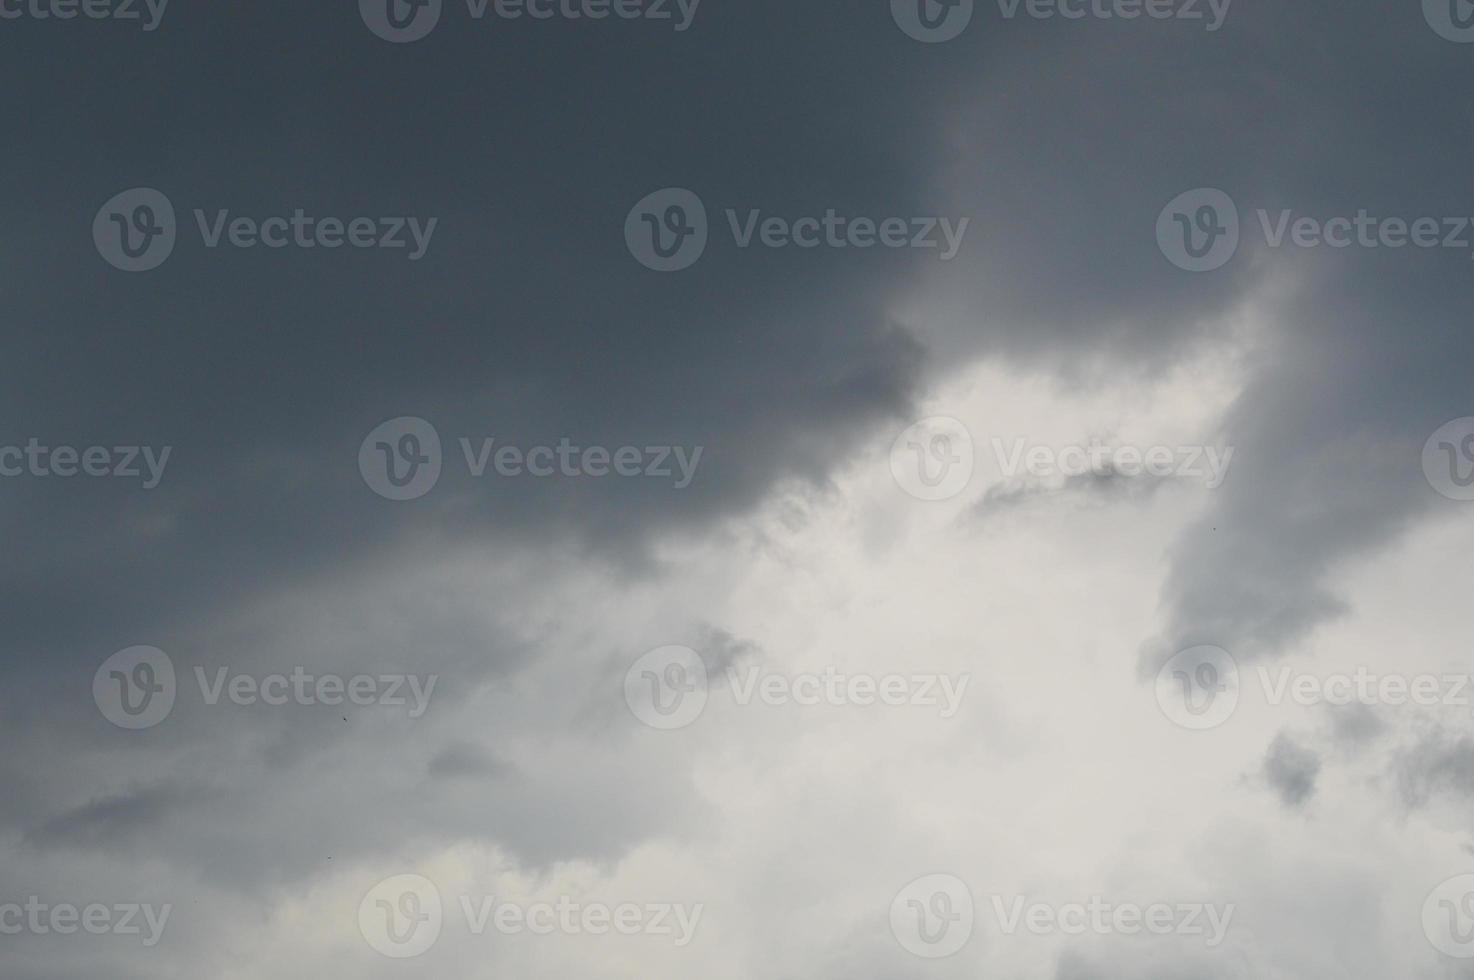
(1291, 770)
(1106, 486)
(1439, 763)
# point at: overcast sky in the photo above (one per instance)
(837, 482)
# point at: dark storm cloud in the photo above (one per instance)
(527, 320)
(1359, 353)
(1329, 468)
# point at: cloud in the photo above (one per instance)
(1439, 763)
(1291, 770)
(528, 322)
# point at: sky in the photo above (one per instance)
(650, 489)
